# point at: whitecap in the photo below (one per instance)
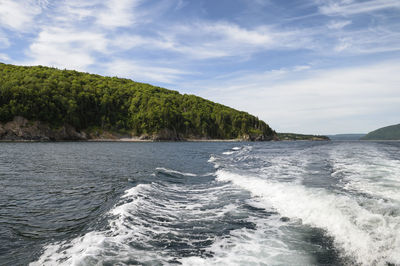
(170, 171)
(367, 237)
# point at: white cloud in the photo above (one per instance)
(19, 14)
(301, 68)
(367, 41)
(66, 48)
(234, 33)
(118, 13)
(205, 40)
(78, 32)
(200, 40)
(73, 11)
(4, 57)
(336, 25)
(343, 44)
(344, 8)
(105, 15)
(142, 72)
(330, 101)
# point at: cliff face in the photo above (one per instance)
(22, 129)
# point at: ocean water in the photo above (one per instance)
(267, 203)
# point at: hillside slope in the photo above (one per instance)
(56, 100)
(384, 133)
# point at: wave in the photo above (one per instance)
(369, 171)
(263, 207)
(367, 237)
(170, 171)
(269, 242)
(156, 223)
(102, 246)
(233, 150)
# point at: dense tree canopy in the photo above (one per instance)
(87, 101)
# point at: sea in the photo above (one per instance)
(200, 203)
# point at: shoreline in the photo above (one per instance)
(129, 140)
(138, 140)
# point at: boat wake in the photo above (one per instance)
(316, 204)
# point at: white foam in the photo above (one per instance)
(363, 229)
(178, 204)
(170, 171)
(212, 159)
(369, 171)
(268, 244)
(97, 246)
(368, 237)
(249, 247)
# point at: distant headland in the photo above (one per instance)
(384, 133)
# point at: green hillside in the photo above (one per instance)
(384, 133)
(92, 102)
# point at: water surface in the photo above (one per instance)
(272, 203)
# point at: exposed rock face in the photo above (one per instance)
(258, 137)
(167, 134)
(22, 129)
(164, 135)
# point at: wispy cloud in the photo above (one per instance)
(204, 40)
(345, 7)
(140, 71)
(329, 101)
(335, 25)
(19, 14)
(4, 57)
(367, 41)
(117, 13)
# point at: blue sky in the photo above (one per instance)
(317, 66)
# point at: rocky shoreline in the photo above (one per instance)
(21, 129)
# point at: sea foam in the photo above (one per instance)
(367, 237)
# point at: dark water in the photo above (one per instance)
(276, 203)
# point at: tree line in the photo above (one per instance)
(88, 101)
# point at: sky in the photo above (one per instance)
(304, 66)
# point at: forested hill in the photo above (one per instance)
(95, 104)
(384, 133)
